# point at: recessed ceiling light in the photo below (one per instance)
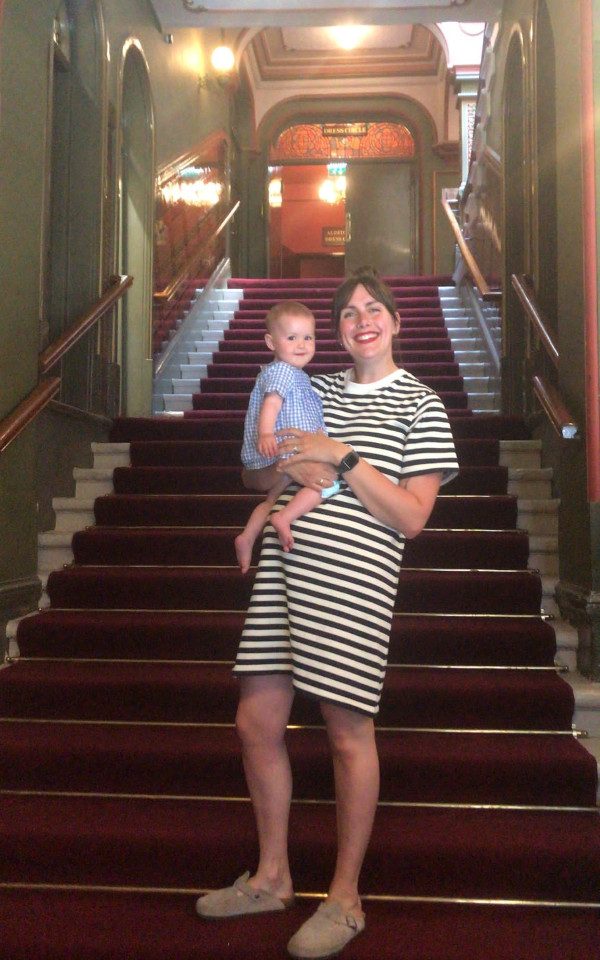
(349, 35)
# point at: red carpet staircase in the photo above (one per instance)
(122, 789)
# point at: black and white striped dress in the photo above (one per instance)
(323, 612)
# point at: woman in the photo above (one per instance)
(320, 616)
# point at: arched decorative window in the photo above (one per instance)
(327, 142)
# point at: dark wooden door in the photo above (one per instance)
(380, 217)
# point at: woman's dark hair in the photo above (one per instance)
(369, 278)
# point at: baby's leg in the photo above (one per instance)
(303, 502)
(244, 542)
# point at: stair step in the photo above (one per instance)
(86, 920)
(73, 513)
(189, 843)
(138, 509)
(213, 588)
(498, 550)
(539, 516)
(192, 761)
(155, 634)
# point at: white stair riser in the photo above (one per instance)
(483, 402)
(53, 558)
(523, 460)
(530, 489)
(178, 402)
(90, 489)
(543, 524)
(545, 562)
(69, 521)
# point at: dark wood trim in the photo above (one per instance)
(557, 413)
(526, 293)
(75, 413)
(492, 161)
(56, 351)
(27, 410)
(479, 280)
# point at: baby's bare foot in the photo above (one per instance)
(283, 530)
(243, 552)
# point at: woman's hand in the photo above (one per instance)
(311, 474)
(298, 446)
(310, 459)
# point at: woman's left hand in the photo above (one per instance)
(300, 445)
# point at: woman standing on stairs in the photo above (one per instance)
(320, 616)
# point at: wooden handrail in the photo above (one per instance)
(526, 294)
(479, 280)
(559, 416)
(184, 273)
(27, 410)
(548, 395)
(41, 395)
(56, 351)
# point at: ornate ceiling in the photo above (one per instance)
(311, 54)
(267, 13)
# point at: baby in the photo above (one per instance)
(282, 397)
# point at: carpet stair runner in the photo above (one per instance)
(122, 789)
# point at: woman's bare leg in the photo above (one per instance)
(356, 771)
(262, 717)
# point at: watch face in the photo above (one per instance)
(349, 461)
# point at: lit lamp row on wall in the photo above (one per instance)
(331, 190)
(193, 188)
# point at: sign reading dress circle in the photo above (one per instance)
(344, 129)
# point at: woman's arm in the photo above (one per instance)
(405, 507)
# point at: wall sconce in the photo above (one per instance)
(223, 63)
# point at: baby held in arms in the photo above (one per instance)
(282, 397)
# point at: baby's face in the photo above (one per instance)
(292, 339)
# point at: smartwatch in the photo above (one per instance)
(348, 462)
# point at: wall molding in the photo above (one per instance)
(19, 596)
(492, 161)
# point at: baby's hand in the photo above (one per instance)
(267, 445)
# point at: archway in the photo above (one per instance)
(347, 196)
(401, 109)
(136, 231)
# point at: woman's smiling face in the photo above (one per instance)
(367, 329)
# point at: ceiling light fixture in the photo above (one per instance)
(349, 35)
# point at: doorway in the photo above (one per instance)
(342, 195)
(329, 219)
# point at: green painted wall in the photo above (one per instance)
(184, 114)
(520, 18)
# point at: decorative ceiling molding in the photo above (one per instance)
(263, 13)
(421, 57)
